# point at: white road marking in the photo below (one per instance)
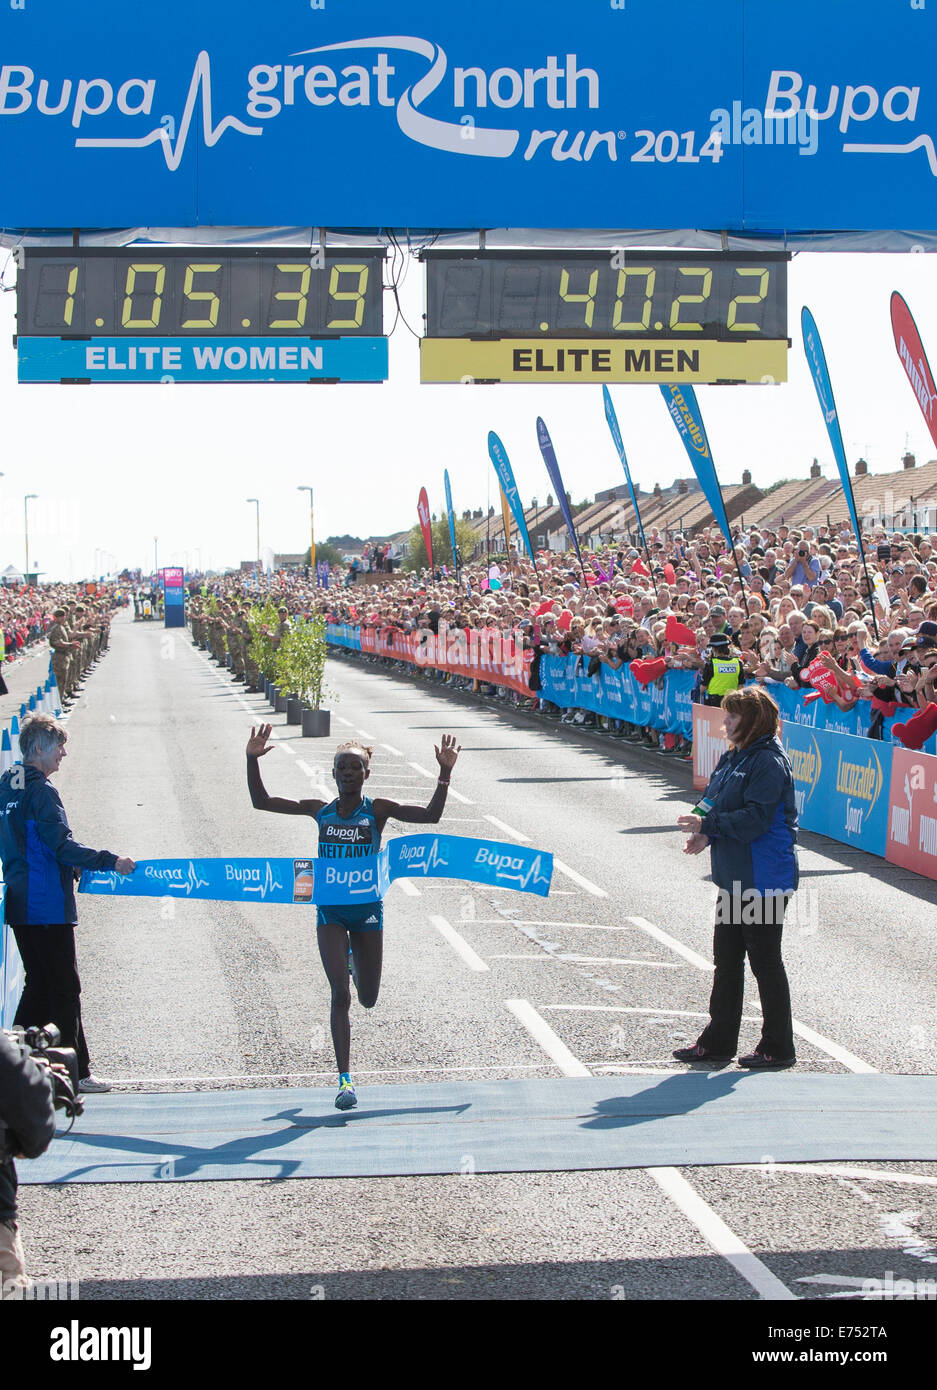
(421, 770)
(585, 883)
(589, 960)
(514, 834)
(666, 940)
(458, 943)
(364, 733)
(340, 720)
(396, 751)
(824, 1171)
(407, 887)
(467, 801)
(543, 922)
(622, 1009)
(839, 1054)
(285, 748)
(714, 1230)
(309, 1075)
(542, 1033)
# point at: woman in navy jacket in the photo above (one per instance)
(749, 822)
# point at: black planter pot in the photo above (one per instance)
(294, 711)
(316, 723)
(281, 703)
(272, 693)
(267, 686)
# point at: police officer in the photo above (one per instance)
(722, 671)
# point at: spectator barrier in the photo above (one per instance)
(11, 970)
(865, 792)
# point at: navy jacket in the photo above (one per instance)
(38, 852)
(753, 822)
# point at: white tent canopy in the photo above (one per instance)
(11, 575)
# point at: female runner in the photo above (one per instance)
(350, 938)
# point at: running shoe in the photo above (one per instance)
(94, 1084)
(761, 1061)
(346, 1098)
(700, 1054)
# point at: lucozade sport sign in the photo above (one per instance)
(223, 113)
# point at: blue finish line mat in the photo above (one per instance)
(538, 1125)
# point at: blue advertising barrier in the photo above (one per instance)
(343, 635)
(11, 970)
(336, 881)
(227, 113)
(841, 785)
(662, 705)
(855, 721)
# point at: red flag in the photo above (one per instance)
(546, 607)
(670, 574)
(650, 670)
(422, 508)
(914, 360)
(675, 631)
(639, 568)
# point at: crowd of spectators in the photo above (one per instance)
(789, 606)
(26, 613)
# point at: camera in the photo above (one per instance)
(61, 1064)
(802, 554)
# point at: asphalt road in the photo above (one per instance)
(185, 996)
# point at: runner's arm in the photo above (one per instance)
(423, 815)
(257, 746)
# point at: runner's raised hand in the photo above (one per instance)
(447, 754)
(257, 744)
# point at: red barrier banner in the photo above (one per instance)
(709, 742)
(486, 656)
(912, 812)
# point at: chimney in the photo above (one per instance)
(908, 461)
(683, 487)
(815, 469)
(549, 499)
(861, 467)
(657, 490)
(746, 478)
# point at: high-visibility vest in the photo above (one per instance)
(725, 677)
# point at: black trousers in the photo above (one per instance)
(735, 937)
(52, 992)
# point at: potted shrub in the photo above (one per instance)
(262, 620)
(300, 670)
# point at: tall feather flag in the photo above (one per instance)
(502, 466)
(816, 361)
(914, 360)
(685, 413)
(553, 469)
(422, 508)
(612, 419)
(451, 515)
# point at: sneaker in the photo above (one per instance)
(346, 1098)
(699, 1054)
(762, 1061)
(93, 1083)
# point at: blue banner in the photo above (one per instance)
(336, 881)
(664, 704)
(11, 969)
(626, 113)
(841, 784)
(202, 360)
(451, 515)
(343, 635)
(816, 361)
(502, 465)
(685, 413)
(612, 419)
(553, 469)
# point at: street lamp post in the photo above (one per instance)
(312, 528)
(156, 556)
(256, 503)
(30, 496)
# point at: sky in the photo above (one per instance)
(124, 474)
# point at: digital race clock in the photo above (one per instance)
(201, 313)
(608, 315)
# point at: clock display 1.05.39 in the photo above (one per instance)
(199, 292)
(676, 295)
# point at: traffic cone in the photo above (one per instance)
(6, 752)
(54, 697)
(32, 704)
(47, 698)
(15, 738)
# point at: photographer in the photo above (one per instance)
(803, 569)
(27, 1124)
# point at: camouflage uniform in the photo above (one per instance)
(59, 646)
(251, 669)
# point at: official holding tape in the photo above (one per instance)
(748, 818)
